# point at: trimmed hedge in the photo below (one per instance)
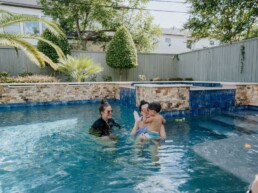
(121, 51)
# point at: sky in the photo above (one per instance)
(168, 19)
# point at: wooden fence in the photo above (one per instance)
(151, 65)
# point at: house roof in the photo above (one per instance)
(23, 3)
(175, 31)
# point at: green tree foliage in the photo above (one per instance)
(48, 50)
(78, 68)
(226, 21)
(90, 20)
(121, 52)
(140, 24)
(17, 40)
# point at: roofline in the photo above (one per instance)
(20, 5)
(175, 34)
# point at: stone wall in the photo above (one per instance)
(246, 95)
(170, 97)
(23, 93)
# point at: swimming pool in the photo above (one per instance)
(48, 149)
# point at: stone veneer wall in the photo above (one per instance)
(45, 92)
(246, 95)
(170, 98)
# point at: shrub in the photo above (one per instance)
(107, 78)
(26, 74)
(78, 68)
(3, 74)
(189, 79)
(142, 77)
(29, 79)
(48, 50)
(93, 78)
(121, 51)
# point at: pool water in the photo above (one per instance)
(48, 149)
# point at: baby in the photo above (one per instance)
(154, 120)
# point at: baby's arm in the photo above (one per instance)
(147, 119)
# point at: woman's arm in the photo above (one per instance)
(137, 120)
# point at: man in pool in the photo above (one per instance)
(102, 127)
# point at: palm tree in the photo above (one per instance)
(17, 40)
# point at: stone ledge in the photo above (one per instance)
(162, 85)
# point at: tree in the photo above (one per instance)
(17, 40)
(226, 21)
(78, 68)
(121, 52)
(48, 50)
(80, 17)
(91, 19)
(140, 25)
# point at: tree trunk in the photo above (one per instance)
(120, 74)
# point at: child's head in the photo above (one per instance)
(155, 106)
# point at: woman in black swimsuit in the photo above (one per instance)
(103, 126)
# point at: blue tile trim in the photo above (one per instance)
(212, 101)
(54, 103)
(128, 96)
(251, 107)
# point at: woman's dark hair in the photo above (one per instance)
(143, 102)
(103, 105)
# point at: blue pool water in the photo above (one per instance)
(48, 149)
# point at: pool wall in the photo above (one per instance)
(31, 93)
(176, 99)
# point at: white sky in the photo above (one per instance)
(168, 20)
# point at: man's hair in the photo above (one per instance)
(143, 102)
(155, 106)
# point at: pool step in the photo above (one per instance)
(239, 124)
(252, 118)
(220, 129)
(231, 155)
